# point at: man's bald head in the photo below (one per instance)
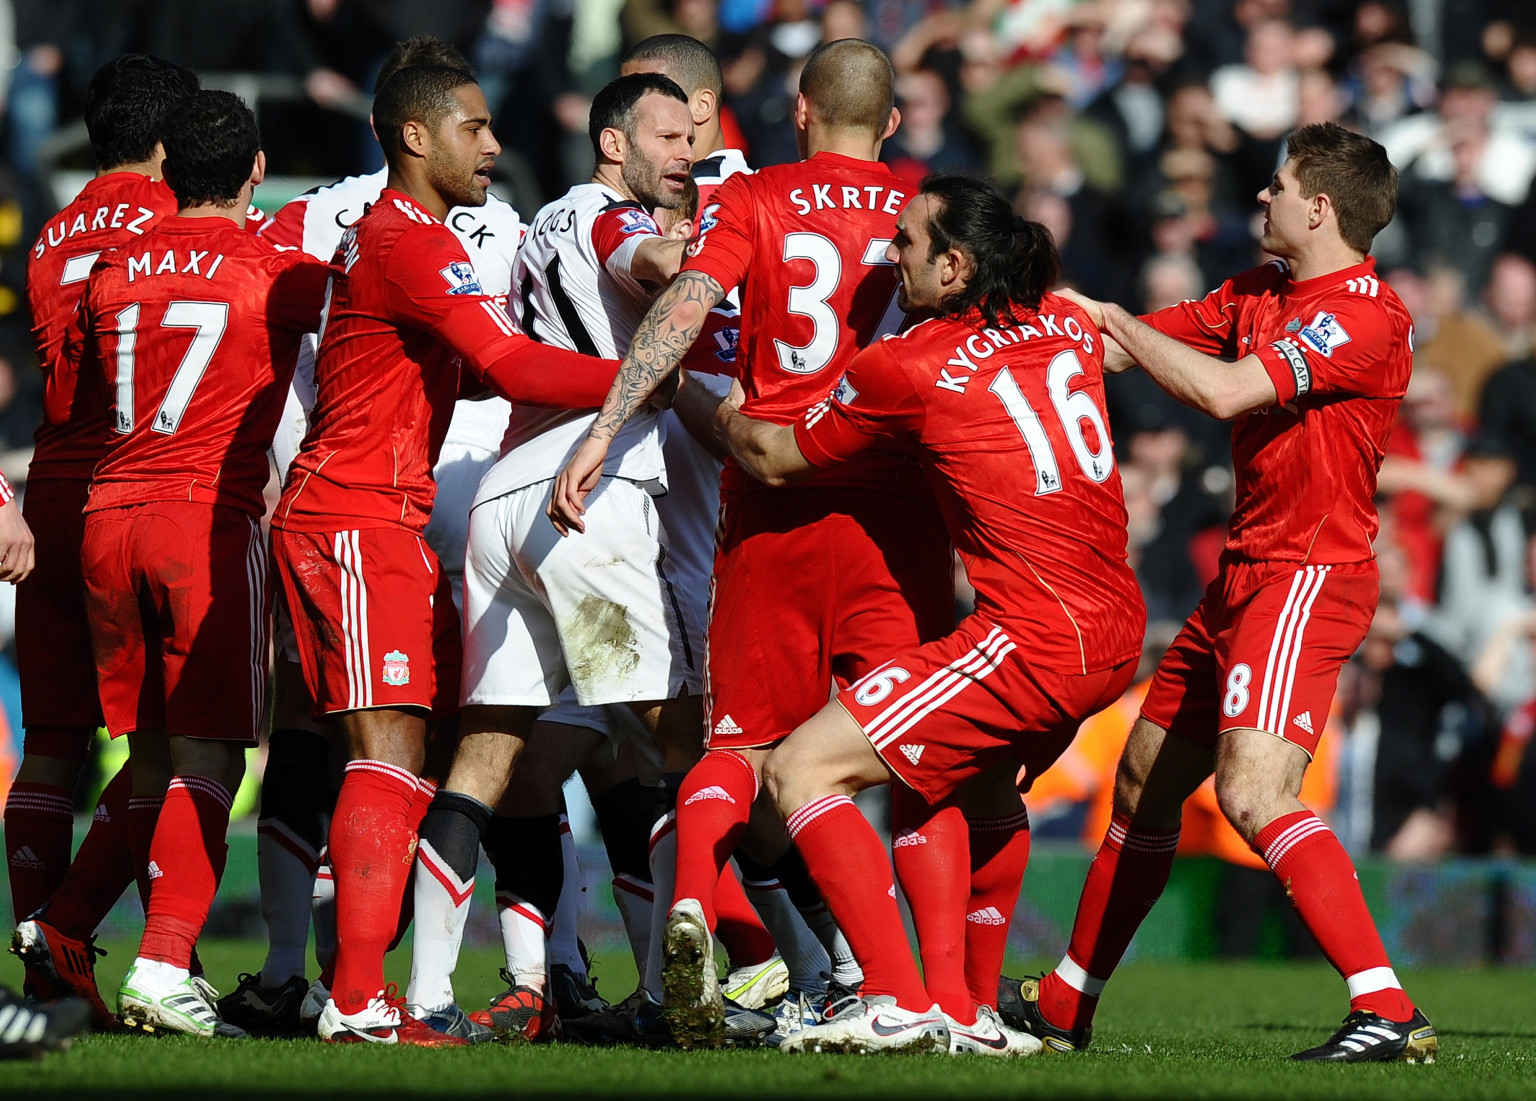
(686, 60)
(849, 85)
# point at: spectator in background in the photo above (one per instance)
(1510, 297)
(1132, 108)
(1388, 82)
(1446, 334)
(927, 140)
(1259, 95)
(1455, 221)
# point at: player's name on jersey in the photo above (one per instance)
(982, 345)
(848, 197)
(170, 262)
(126, 216)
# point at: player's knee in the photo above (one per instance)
(781, 783)
(1244, 804)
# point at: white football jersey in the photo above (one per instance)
(572, 287)
(315, 221)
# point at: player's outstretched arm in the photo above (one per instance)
(16, 554)
(767, 451)
(669, 327)
(1208, 383)
(1116, 358)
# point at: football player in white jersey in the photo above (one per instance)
(296, 794)
(601, 617)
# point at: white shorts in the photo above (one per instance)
(598, 611)
(617, 723)
(457, 473)
(691, 513)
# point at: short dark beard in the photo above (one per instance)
(645, 188)
(443, 175)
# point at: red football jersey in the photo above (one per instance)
(195, 330)
(110, 211)
(806, 244)
(1339, 349)
(403, 312)
(1010, 426)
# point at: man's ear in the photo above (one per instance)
(613, 144)
(259, 168)
(415, 138)
(1322, 206)
(891, 124)
(703, 106)
(802, 112)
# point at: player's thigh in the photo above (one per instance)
(53, 638)
(124, 624)
(209, 566)
(771, 617)
(512, 655)
(827, 754)
(612, 596)
(1183, 696)
(1279, 658)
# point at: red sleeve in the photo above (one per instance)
(874, 400)
(298, 292)
(714, 352)
(616, 233)
(723, 248)
(78, 350)
(286, 228)
(1207, 325)
(7, 494)
(1346, 348)
(432, 285)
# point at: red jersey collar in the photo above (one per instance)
(850, 162)
(1322, 282)
(402, 197)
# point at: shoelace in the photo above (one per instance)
(389, 1000)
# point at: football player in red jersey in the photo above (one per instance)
(377, 632)
(195, 327)
(1001, 397)
(806, 243)
(1322, 351)
(126, 105)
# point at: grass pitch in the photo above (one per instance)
(1166, 1031)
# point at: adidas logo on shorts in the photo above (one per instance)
(711, 792)
(1304, 720)
(987, 915)
(727, 725)
(24, 857)
(154, 870)
(908, 837)
(912, 752)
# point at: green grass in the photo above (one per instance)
(1166, 1031)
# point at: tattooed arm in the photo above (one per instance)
(671, 325)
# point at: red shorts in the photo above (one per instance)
(940, 714)
(1263, 651)
(53, 638)
(180, 619)
(814, 587)
(374, 619)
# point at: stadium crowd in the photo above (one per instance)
(1136, 133)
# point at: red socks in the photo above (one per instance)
(101, 870)
(1126, 878)
(930, 850)
(373, 834)
(39, 833)
(999, 855)
(848, 864)
(186, 860)
(143, 814)
(1320, 879)
(713, 806)
(746, 939)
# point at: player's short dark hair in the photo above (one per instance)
(417, 93)
(126, 103)
(687, 60)
(850, 85)
(420, 49)
(211, 142)
(1015, 259)
(1350, 169)
(613, 108)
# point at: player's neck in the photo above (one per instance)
(1322, 259)
(857, 144)
(611, 176)
(416, 187)
(707, 140)
(235, 212)
(151, 168)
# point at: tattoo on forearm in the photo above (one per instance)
(657, 348)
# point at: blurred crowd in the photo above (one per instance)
(1139, 131)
